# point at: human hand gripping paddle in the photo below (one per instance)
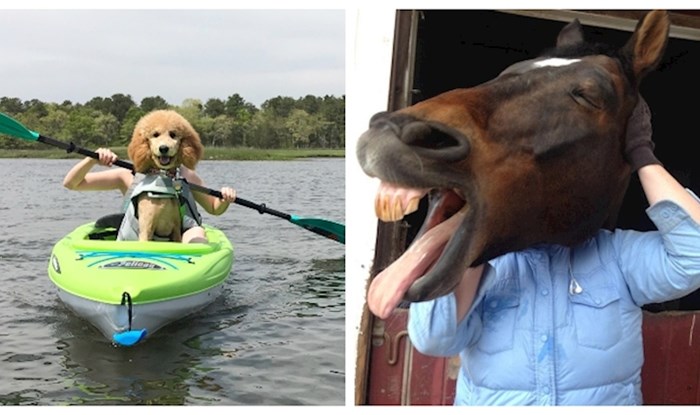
(331, 230)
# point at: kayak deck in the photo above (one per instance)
(102, 270)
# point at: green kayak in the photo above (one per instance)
(130, 289)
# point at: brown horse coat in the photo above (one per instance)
(532, 156)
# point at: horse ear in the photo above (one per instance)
(648, 42)
(570, 35)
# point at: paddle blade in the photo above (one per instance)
(12, 127)
(129, 338)
(330, 230)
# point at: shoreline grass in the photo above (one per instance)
(210, 153)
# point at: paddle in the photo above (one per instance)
(329, 229)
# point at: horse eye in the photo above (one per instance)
(173, 134)
(582, 97)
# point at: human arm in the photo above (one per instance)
(80, 178)
(212, 205)
(439, 327)
(660, 266)
(658, 184)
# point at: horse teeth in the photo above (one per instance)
(412, 206)
(385, 208)
(397, 211)
(390, 208)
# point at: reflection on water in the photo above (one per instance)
(275, 336)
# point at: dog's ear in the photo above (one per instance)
(191, 147)
(138, 150)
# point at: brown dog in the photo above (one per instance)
(162, 141)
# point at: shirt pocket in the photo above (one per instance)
(597, 317)
(499, 312)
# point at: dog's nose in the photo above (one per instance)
(163, 149)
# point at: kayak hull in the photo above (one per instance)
(111, 319)
(128, 286)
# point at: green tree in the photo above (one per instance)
(120, 105)
(311, 104)
(333, 111)
(267, 131)
(54, 123)
(106, 130)
(239, 109)
(301, 127)
(215, 132)
(214, 107)
(192, 110)
(126, 130)
(279, 106)
(81, 127)
(36, 107)
(11, 106)
(149, 104)
(100, 104)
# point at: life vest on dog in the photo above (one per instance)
(158, 185)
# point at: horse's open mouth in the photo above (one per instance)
(413, 276)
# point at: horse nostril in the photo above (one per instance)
(163, 149)
(431, 141)
(418, 134)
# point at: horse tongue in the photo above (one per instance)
(389, 286)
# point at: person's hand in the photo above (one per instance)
(639, 149)
(106, 156)
(229, 194)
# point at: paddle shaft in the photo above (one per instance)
(72, 148)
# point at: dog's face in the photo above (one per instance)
(163, 139)
(164, 143)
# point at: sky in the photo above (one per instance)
(57, 55)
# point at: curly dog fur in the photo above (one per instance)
(162, 140)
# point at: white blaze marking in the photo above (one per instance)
(555, 62)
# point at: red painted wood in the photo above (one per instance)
(400, 375)
(670, 375)
(671, 371)
(385, 382)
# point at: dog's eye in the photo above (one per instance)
(173, 134)
(156, 134)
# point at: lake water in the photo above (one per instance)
(275, 336)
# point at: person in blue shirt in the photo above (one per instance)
(553, 325)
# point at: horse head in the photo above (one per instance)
(532, 156)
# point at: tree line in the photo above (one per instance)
(280, 122)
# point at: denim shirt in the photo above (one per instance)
(558, 326)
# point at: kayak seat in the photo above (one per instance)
(110, 224)
(110, 221)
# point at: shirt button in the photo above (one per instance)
(545, 389)
(545, 292)
(597, 301)
(493, 304)
(543, 338)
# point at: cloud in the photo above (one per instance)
(57, 55)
